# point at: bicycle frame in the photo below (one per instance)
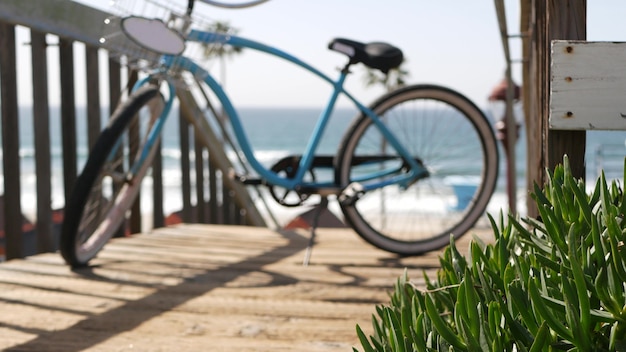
(180, 62)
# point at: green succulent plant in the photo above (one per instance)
(557, 283)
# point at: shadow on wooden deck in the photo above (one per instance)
(202, 287)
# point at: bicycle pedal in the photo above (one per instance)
(246, 180)
(252, 181)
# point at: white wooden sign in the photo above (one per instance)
(588, 86)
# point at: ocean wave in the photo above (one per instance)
(271, 144)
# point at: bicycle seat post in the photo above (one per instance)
(309, 249)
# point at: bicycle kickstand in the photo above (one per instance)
(319, 209)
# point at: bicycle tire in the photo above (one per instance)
(104, 191)
(453, 139)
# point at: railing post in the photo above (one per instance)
(185, 165)
(565, 21)
(68, 115)
(115, 85)
(93, 94)
(10, 144)
(199, 165)
(158, 219)
(134, 223)
(41, 127)
(214, 216)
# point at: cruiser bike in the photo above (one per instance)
(416, 166)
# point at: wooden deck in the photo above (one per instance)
(204, 288)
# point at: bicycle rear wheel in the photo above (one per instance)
(106, 190)
(454, 141)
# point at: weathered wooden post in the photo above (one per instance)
(68, 114)
(41, 127)
(10, 143)
(94, 117)
(547, 20)
(567, 20)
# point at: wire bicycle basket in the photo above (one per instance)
(140, 32)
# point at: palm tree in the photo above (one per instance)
(221, 51)
(391, 80)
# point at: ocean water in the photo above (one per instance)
(275, 133)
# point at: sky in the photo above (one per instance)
(453, 43)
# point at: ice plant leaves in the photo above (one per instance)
(548, 284)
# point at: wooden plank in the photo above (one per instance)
(227, 203)
(68, 115)
(238, 288)
(12, 202)
(545, 21)
(134, 136)
(41, 126)
(134, 222)
(185, 165)
(213, 205)
(115, 84)
(68, 19)
(94, 117)
(588, 86)
(199, 164)
(566, 20)
(158, 218)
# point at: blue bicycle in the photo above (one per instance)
(416, 166)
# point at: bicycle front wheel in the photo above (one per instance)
(106, 189)
(452, 138)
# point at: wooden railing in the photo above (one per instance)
(72, 28)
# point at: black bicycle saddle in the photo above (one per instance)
(378, 55)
